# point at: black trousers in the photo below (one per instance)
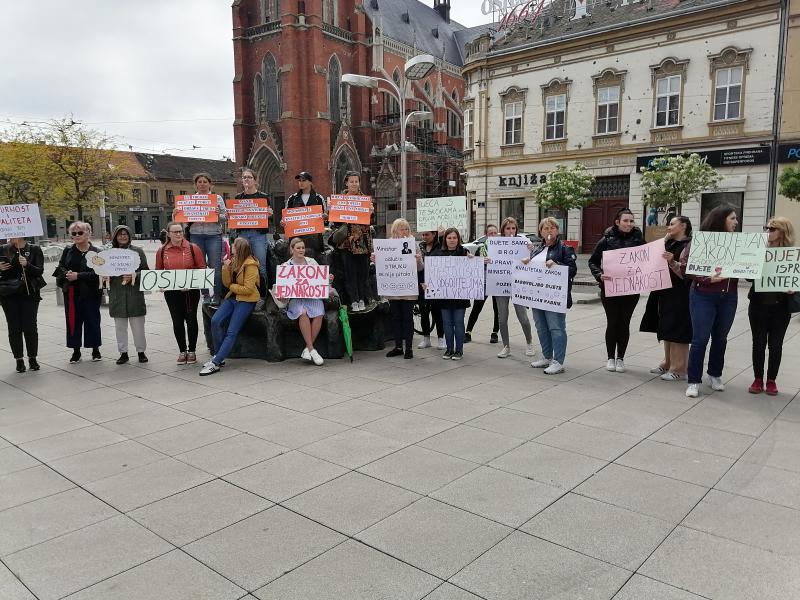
(183, 310)
(619, 311)
(402, 322)
(21, 312)
(477, 307)
(83, 319)
(768, 323)
(356, 275)
(426, 309)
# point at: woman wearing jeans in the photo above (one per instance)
(712, 305)
(240, 275)
(769, 316)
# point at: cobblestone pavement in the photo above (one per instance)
(395, 479)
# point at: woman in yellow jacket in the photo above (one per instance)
(240, 276)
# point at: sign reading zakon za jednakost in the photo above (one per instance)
(248, 213)
(197, 208)
(20, 220)
(302, 281)
(349, 209)
(303, 220)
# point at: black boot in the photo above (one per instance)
(76, 357)
(394, 352)
(123, 358)
(96, 355)
(21, 366)
(33, 364)
(142, 357)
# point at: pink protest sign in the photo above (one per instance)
(636, 270)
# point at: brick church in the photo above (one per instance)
(294, 114)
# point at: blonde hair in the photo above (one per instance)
(241, 252)
(397, 224)
(786, 228)
(85, 227)
(294, 242)
(548, 221)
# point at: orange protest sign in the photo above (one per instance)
(197, 208)
(304, 220)
(349, 209)
(248, 213)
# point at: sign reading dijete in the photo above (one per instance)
(728, 254)
(781, 271)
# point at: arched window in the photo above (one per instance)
(453, 124)
(427, 88)
(329, 11)
(396, 76)
(334, 89)
(272, 108)
(454, 95)
(258, 96)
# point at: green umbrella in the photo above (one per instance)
(346, 331)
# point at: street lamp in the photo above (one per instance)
(416, 67)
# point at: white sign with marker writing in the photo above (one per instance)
(505, 253)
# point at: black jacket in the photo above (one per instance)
(88, 283)
(563, 255)
(33, 281)
(613, 239)
(296, 200)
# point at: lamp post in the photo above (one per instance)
(416, 67)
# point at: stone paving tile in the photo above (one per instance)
(763, 483)
(13, 459)
(514, 423)
(306, 399)
(31, 484)
(471, 443)
(175, 575)
(199, 511)
(407, 395)
(166, 390)
(447, 591)
(633, 416)
(351, 503)
(778, 447)
(40, 520)
(590, 441)
(418, 469)
(355, 412)
(572, 400)
(522, 567)
(351, 571)
(703, 439)
(353, 448)
(106, 461)
(352, 387)
(507, 390)
(639, 587)
(115, 409)
(11, 588)
(149, 421)
(679, 463)
(253, 552)
(231, 454)
(434, 537)
(737, 414)
(72, 442)
(215, 404)
(69, 563)
(299, 430)
(48, 386)
(407, 427)
(188, 436)
(253, 416)
(551, 466)
(286, 475)
(57, 422)
(497, 495)
(718, 568)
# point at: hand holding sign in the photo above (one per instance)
(197, 208)
(304, 220)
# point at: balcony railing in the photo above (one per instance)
(337, 32)
(266, 28)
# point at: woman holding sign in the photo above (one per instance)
(402, 307)
(126, 303)
(355, 244)
(177, 253)
(769, 316)
(618, 309)
(452, 309)
(510, 228)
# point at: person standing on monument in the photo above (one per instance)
(306, 196)
(257, 238)
(354, 243)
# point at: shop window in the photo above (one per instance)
(513, 207)
(710, 201)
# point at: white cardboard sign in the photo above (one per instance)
(505, 253)
(454, 277)
(113, 262)
(20, 220)
(537, 286)
(396, 266)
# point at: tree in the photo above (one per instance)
(674, 179)
(789, 182)
(566, 188)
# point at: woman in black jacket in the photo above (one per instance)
(21, 268)
(619, 309)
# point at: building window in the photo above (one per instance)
(468, 129)
(334, 90)
(137, 195)
(513, 207)
(427, 89)
(260, 105)
(454, 95)
(271, 89)
(728, 93)
(608, 110)
(453, 125)
(556, 111)
(182, 192)
(170, 197)
(668, 101)
(513, 123)
(154, 196)
(329, 11)
(269, 10)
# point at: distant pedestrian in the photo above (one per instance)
(477, 305)
(126, 303)
(427, 308)
(510, 228)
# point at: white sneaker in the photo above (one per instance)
(306, 355)
(208, 369)
(619, 366)
(361, 305)
(542, 363)
(554, 368)
(316, 357)
(659, 370)
(354, 307)
(670, 376)
(611, 365)
(692, 390)
(425, 343)
(716, 384)
(529, 351)
(442, 345)
(504, 353)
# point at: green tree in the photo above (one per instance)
(566, 188)
(789, 182)
(674, 179)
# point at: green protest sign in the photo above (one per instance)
(728, 254)
(781, 271)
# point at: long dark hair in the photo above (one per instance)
(715, 220)
(447, 232)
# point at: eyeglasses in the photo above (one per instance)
(176, 232)
(770, 229)
(76, 233)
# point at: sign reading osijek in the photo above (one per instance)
(20, 220)
(302, 281)
(728, 254)
(537, 286)
(396, 267)
(781, 271)
(504, 252)
(636, 270)
(176, 279)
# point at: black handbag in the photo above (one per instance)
(9, 287)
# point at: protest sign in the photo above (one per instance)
(304, 220)
(781, 271)
(302, 281)
(396, 267)
(728, 254)
(433, 213)
(20, 220)
(197, 208)
(176, 279)
(636, 270)
(504, 252)
(114, 262)
(349, 209)
(454, 277)
(537, 286)
(248, 213)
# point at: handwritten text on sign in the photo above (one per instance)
(454, 277)
(636, 270)
(114, 262)
(505, 252)
(781, 271)
(537, 286)
(304, 220)
(396, 267)
(20, 220)
(349, 209)
(433, 213)
(249, 213)
(197, 208)
(302, 281)
(176, 279)
(729, 254)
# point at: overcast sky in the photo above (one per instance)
(155, 73)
